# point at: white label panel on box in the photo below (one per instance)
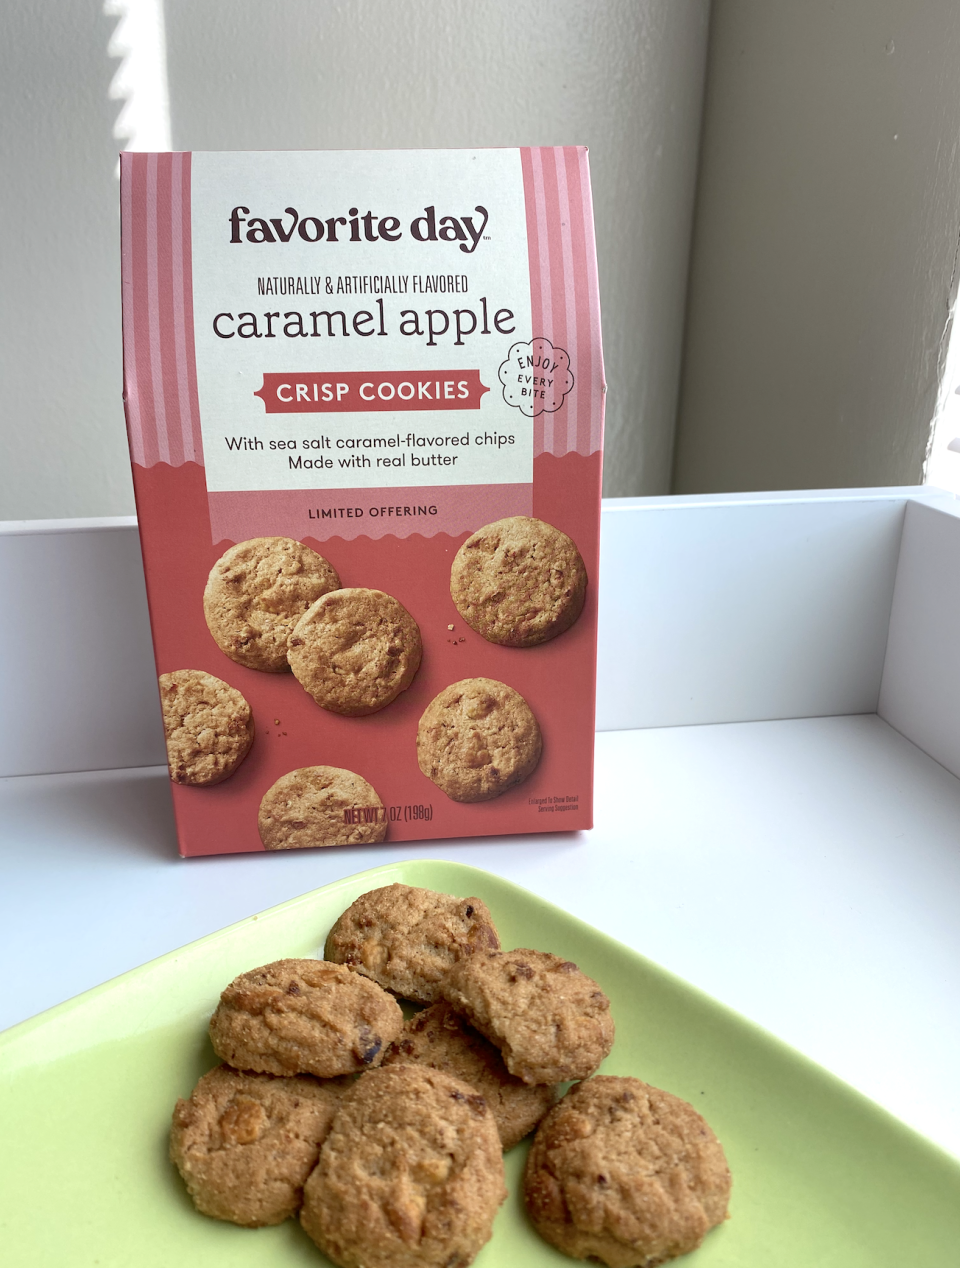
(352, 314)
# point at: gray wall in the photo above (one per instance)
(62, 437)
(622, 76)
(825, 244)
(827, 212)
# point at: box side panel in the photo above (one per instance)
(920, 691)
(735, 613)
(78, 689)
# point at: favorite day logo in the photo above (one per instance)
(465, 230)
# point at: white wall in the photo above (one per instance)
(826, 243)
(622, 76)
(62, 437)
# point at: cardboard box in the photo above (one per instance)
(374, 355)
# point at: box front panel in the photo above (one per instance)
(375, 355)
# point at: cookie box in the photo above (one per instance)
(364, 400)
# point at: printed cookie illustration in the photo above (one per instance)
(477, 739)
(441, 1039)
(518, 581)
(550, 1021)
(320, 805)
(355, 651)
(207, 724)
(625, 1173)
(256, 593)
(408, 938)
(410, 1175)
(304, 1017)
(245, 1143)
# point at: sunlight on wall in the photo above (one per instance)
(141, 79)
(942, 467)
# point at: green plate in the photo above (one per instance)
(821, 1175)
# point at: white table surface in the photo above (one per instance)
(805, 872)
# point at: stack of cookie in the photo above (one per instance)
(403, 1167)
(437, 950)
(292, 1036)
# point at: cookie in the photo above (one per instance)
(518, 581)
(550, 1021)
(441, 1039)
(207, 724)
(355, 651)
(408, 939)
(245, 1143)
(256, 593)
(410, 1175)
(304, 1017)
(622, 1172)
(320, 805)
(477, 739)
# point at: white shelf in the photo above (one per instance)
(805, 872)
(798, 858)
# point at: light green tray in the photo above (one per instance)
(821, 1175)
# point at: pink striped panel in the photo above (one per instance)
(591, 304)
(131, 396)
(183, 275)
(565, 304)
(160, 378)
(533, 251)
